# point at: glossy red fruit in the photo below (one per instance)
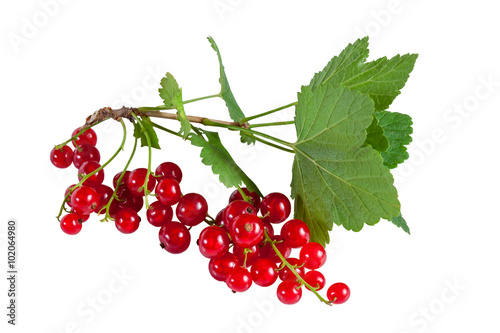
(84, 154)
(192, 209)
(81, 217)
(168, 170)
(289, 292)
(174, 237)
(67, 193)
(124, 179)
(87, 168)
(158, 214)
(264, 272)
(84, 200)
(239, 279)
(247, 230)
(252, 255)
(254, 197)
(275, 207)
(61, 158)
(71, 224)
(127, 221)
(218, 218)
(127, 199)
(105, 193)
(313, 255)
(168, 192)
(88, 137)
(235, 209)
(268, 252)
(213, 242)
(268, 227)
(315, 279)
(338, 293)
(220, 267)
(136, 179)
(286, 274)
(295, 233)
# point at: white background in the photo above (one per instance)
(90, 54)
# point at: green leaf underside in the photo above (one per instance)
(397, 128)
(139, 133)
(375, 136)
(400, 222)
(336, 178)
(171, 94)
(226, 94)
(381, 79)
(214, 154)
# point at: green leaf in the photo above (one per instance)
(171, 94)
(214, 154)
(381, 79)
(148, 128)
(375, 136)
(336, 178)
(397, 128)
(227, 95)
(400, 222)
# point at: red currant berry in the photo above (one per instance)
(252, 254)
(286, 274)
(88, 137)
(168, 191)
(71, 224)
(268, 227)
(315, 279)
(84, 200)
(338, 293)
(248, 230)
(81, 217)
(168, 170)
(136, 179)
(213, 242)
(61, 158)
(239, 279)
(105, 193)
(87, 168)
(174, 237)
(124, 179)
(295, 233)
(275, 207)
(84, 154)
(267, 250)
(192, 209)
(254, 197)
(235, 209)
(264, 272)
(313, 255)
(127, 199)
(67, 193)
(218, 218)
(289, 292)
(158, 214)
(221, 266)
(127, 221)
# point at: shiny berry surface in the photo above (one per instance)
(84, 200)
(268, 252)
(286, 273)
(85, 153)
(295, 233)
(88, 167)
(275, 207)
(105, 192)
(124, 179)
(338, 293)
(254, 197)
(220, 267)
(235, 209)
(289, 292)
(313, 255)
(252, 254)
(168, 191)
(192, 209)
(136, 179)
(213, 242)
(88, 137)
(247, 230)
(127, 221)
(315, 279)
(158, 214)
(174, 237)
(61, 158)
(169, 170)
(264, 272)
(239, 280)
(71, 224)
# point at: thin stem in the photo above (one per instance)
(145, 185)
(292, 269)
(200, 98)
(277, 123)
(273, 145)
(166, 129)
(247, 119)
(165, 107)
(193, 119)
(87, 176)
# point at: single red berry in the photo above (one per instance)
(218, 219)
(127, 221)
(313, 255)
(267, 250)
(87, 168)
(239, 279)
(84, 200)
(286, 274)
(220, 267)
(264, 272)
(71, 224)
(168, 191)
(174, 237)
(254, 197)
(252, 254)
(235, 209)
(315, 279)
(158, 214)
(61, 158)
(338, 293)
(88, 137)
(247, 230)
(192, 209)
(275, 207)
(136, 180)
(124, 179)
(168, 170)
(295, 233)
(84, 154)
(105, 193)
(213, 242)
(289, 292)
